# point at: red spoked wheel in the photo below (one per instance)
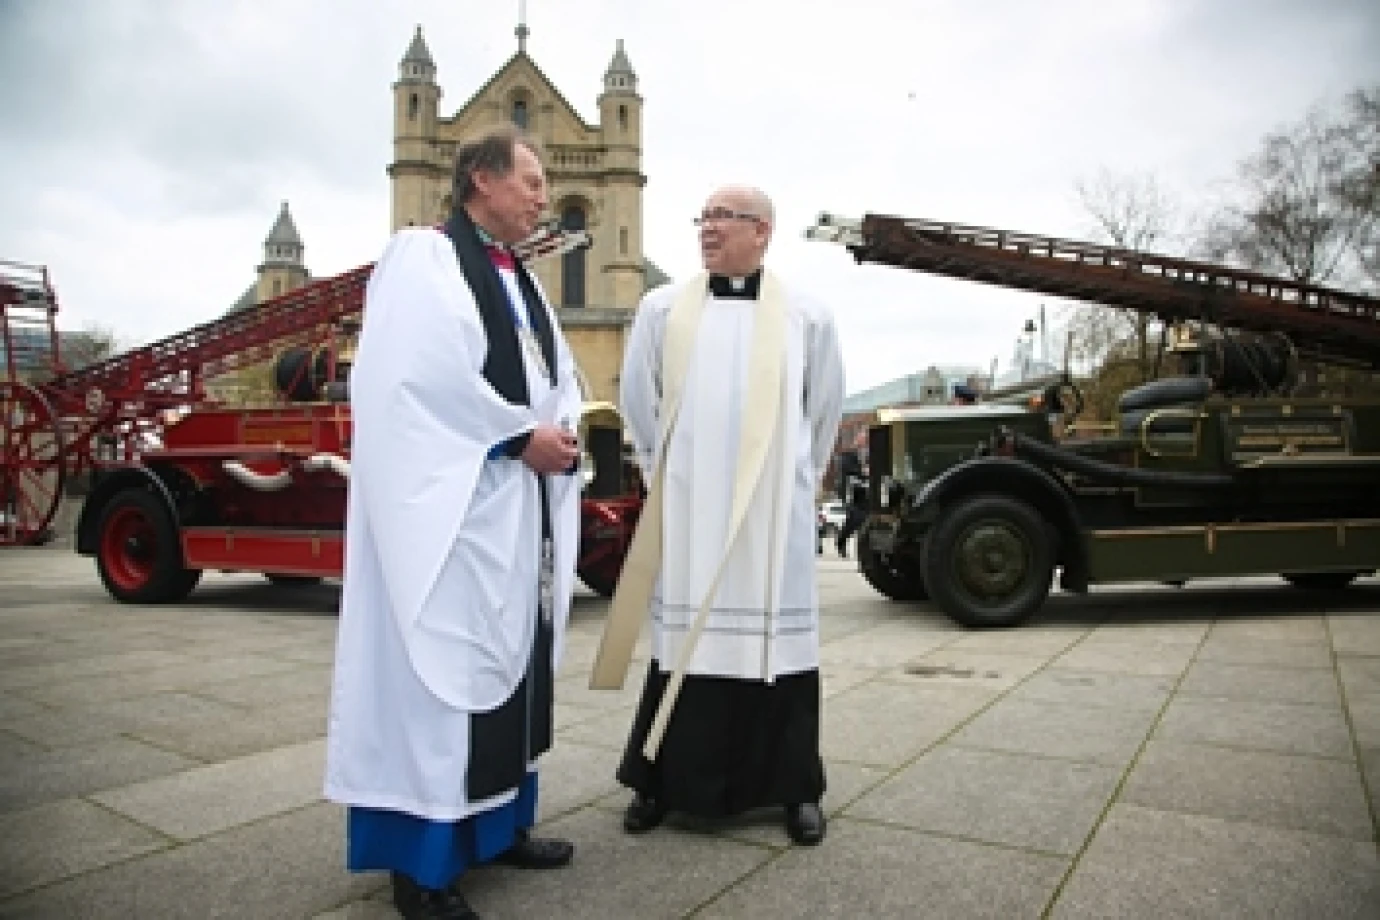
(31, 465)
(138, 555)
(606, 529)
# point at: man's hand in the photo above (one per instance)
(551, 450)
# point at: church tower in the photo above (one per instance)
(416, 102)
(283, 268)
(594, 182)
(620, 127)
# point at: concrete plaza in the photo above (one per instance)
(1212, 751)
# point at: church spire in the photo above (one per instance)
(283, 246)
(418, 52)
(522, 31)
(620, 76)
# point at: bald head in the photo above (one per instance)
(735, 230)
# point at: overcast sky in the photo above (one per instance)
(147, 143)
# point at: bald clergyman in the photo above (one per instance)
(745, 355)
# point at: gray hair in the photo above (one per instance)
(491, 151)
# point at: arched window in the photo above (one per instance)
(623, 117)
(412, 104)
(277, 286)
(573, 262)
(520, 113)
(622, 241)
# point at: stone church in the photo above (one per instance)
(595, 181)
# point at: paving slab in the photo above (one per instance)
(253, 729)
(1282, 790)
(1360, 675)
(1095, 688)
(663, 874)
(845, 783)
(976, 668)
(574, 776)
(607, 730)
(204, 800)
(885, 724)
(1364, 714)
(1126, 656)
(1098, 734)
(1289, 629)
(1229, 649)
(1019, 800)
(1355, 633)
(60, 839)
(49, 775)
(1035, 640)
(1287, 728)
(1147, 863)
(187, 675)
(885, 646)
(868, 870)
(1216, 679)
(307, 683)
(282, 868)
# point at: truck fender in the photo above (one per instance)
(1018, 479)
(107, 487)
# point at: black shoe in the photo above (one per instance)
(537, 853)
(417, 903)
(643, 814)
(805, 823)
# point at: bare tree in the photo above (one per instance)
(92, 343)
(1360, 183)
(1306, 203)
(1130, 211)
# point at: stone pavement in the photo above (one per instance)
(1207, 752)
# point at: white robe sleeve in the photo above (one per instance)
(423, 421)
(824, 386)
(639, 383)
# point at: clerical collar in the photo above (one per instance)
(735, 288)
(501, 256)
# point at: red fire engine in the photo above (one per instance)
(182, 484)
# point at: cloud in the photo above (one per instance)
(156, 139)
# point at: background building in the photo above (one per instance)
(932, 386)
(595, 178)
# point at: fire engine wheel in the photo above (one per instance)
(893, 581)
(31, 465)
(139, 555)
(989, 561)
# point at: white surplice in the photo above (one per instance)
(442, 540)
(764, 620)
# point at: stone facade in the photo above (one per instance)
(595, 180)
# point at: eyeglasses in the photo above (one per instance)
(717, 215)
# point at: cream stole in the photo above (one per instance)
(633, 596)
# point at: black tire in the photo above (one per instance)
(294, 581)
(989, 561)
(1320, 581)
(1171, 391)
(898, 583)
(138, 550)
